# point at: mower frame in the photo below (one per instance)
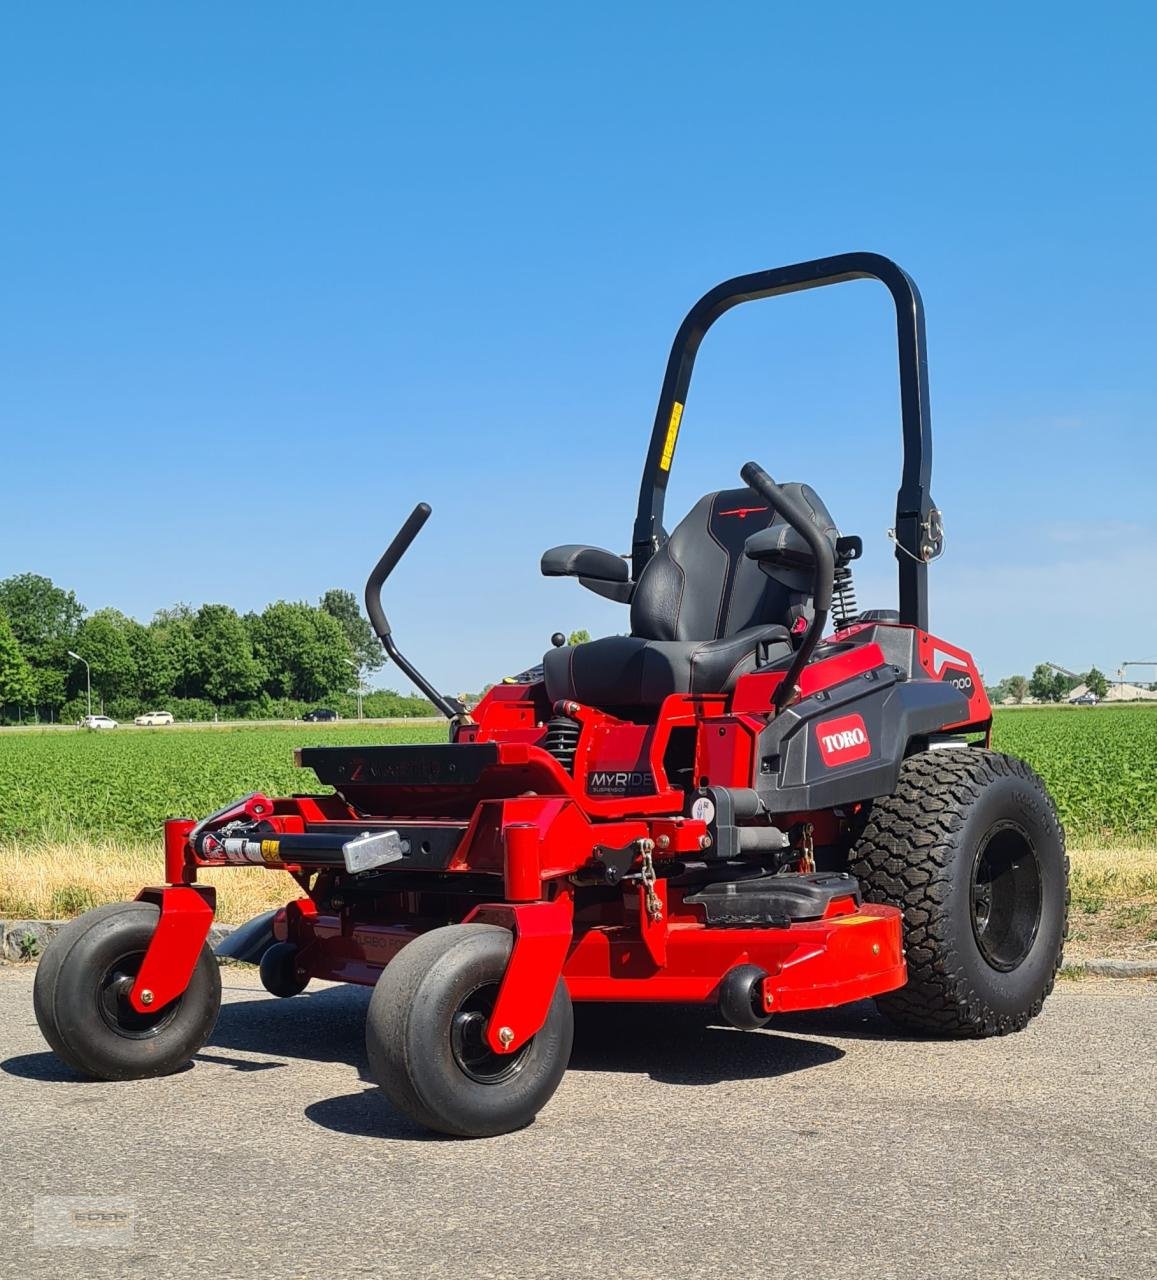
(698, 850)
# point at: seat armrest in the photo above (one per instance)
(779, 544)
(575, 561)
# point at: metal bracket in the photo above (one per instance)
(608, 866)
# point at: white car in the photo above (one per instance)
(98, 722)
(155, 717)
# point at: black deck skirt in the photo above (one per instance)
(436, 764)
(774, 900)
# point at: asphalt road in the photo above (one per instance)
(829, 1147)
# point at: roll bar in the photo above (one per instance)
(917, 529)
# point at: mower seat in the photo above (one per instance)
(702, 613)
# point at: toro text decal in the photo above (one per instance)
(843, 740)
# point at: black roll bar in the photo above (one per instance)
(916, 529)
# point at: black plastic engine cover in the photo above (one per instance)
(774, 900)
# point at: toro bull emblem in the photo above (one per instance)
(843, 740)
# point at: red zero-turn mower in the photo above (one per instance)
(725, 805)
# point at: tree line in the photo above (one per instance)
(200, 664)
(1047, 684)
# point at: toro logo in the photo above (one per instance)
(843, 740)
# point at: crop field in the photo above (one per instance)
(1099, 763)
(80, 813)
(124, 783)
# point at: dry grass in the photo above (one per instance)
(53, 879)
(1114, 903)
(1113, 874)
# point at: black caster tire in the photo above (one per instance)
(970, 848)
(741, 998)
(424, 1037)
(80, 998)
(48, 967)
(279, 972)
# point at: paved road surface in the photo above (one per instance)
(829, 1148)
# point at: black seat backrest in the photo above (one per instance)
(700, 586)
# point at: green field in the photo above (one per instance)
(1100, 765)
(125, 782)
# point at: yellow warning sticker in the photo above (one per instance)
(270, 850)
(672, 435)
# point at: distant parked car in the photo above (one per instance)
(1086, 700)
(97, 722)
(155, 717)
(320, 713)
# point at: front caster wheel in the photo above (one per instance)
(741, 998)
(81, 998)
(280, 975)
(425, 1035)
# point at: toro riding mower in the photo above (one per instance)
(762, 797)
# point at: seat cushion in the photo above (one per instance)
(629, 671)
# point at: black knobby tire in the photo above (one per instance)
(80, 998)
(970, 848)
(424, 1036)
(280, 975)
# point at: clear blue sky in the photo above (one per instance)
(273, 272)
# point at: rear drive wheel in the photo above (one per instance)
(970, 848)
(81, 998)
(425, 1035)
(280, 974)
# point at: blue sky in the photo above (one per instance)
(274, 272)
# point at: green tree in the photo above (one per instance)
(102, 640)
(226, 669)
(1041, 685)
(17, 683)
(43, 618)
(365, 647)
(156, 676)
(172, 630)
(1063, 685)
(303, 651)
(1017, 688)
(579, 637)
(1097, 682)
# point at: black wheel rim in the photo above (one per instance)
(473, 1055)
(1006, 896)
(115, 1008)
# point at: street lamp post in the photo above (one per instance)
(351, 663)
(87, 677)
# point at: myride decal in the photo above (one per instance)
(843, 740)
(620, 782)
